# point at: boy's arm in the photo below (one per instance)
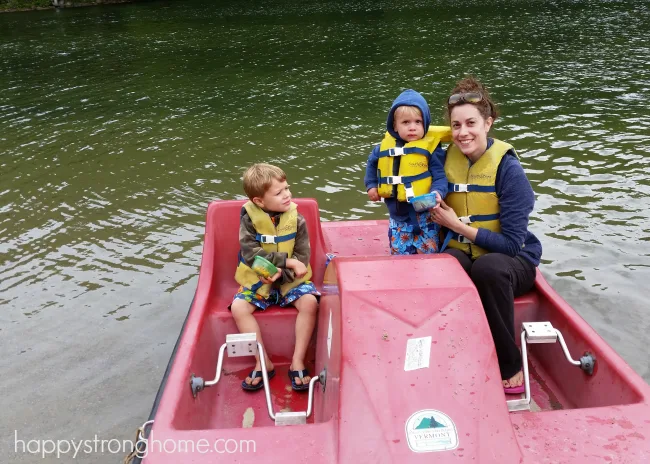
(370, 179)
(302, 247)
(250, 247)
(437, 170)
(301, 250)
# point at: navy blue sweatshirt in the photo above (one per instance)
(516, 202)
(398, 210)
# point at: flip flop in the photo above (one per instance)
(301, 374)
(253, 375)
(514, 390)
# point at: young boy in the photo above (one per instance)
(408, 163)
(270, 212)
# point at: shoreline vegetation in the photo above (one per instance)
(9, 6)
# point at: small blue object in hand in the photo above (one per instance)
(423, 202)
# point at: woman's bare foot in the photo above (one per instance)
(514, 381)
(258, 367)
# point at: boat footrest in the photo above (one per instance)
(539, 332)
(241, 344)
(544, 332)
(291, 418)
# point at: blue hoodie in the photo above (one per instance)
(403, 211)
(516, 202)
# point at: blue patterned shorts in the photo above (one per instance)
(404, 242)
(275, 298)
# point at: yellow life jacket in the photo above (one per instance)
(281, 239)
(413, 177)
(472, 192)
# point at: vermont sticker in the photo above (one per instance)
(430, 430)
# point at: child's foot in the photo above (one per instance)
(258, 367)
(296, 366)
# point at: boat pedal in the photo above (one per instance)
(241, 344)
(544, 332)
(245, 344)
(540, 332)
(291, 418)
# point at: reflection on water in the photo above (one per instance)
(118, 125)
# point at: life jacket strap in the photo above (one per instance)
(255, 287)
(406, 180)
(462, 188)
(460, 238)
(400, 151)
(446, 241)
(479, 217)
(273, 239)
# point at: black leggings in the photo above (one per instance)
(499, 279)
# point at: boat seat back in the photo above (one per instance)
(221, 245)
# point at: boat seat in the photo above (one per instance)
(526, 301)
(221, 248)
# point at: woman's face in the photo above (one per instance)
(469, 130)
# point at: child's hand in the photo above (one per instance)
(438, 200)
(299, 269)
(273, 278)
(373, 194)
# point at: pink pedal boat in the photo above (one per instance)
(404, 366)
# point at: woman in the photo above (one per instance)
(487, 211)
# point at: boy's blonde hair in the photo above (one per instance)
(404, 110)
(259, 177)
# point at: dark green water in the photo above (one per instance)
(119, 124)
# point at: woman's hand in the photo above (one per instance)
(273, 278)
(446, 217)
(373, 194)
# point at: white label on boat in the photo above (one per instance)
(329, 337)
(418, 351)
(430, 430)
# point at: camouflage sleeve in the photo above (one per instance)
(301, 249)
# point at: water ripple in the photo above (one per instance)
(145, 114)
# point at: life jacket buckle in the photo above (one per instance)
(463, 239)
(465, 219)
(460, 188)
(267, 239)
(409, 193)
(393, 180)
(396, 151)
